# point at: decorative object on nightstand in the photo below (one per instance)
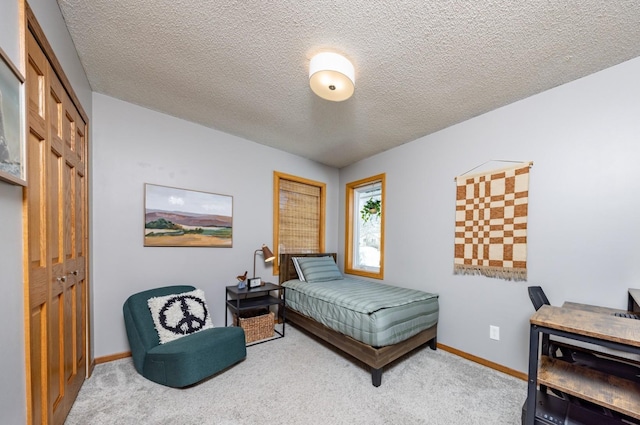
(268, 257)
(241, 280)
(254, 282)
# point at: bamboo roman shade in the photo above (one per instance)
(300, 217)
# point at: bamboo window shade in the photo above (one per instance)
(300, 215)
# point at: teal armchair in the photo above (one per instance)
(184, 361)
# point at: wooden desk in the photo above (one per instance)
(594, 325)
(592, 308)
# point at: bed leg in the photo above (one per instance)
(376, 376)
(433, 344)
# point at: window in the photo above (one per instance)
(298, 216)
(364, 241)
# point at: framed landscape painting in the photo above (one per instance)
(12, 156)
(181, 217)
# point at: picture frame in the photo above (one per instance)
(187, 218)
(12, 120)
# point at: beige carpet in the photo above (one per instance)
(297, 380)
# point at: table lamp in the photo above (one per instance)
(266, 253)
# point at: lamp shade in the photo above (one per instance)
(331, 76)
(267, 254)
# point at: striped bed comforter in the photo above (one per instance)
(373, 313)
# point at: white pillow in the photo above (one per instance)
(297, 266)
(179, 315)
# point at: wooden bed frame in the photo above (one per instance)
(374, 357)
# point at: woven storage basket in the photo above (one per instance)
(257, 327)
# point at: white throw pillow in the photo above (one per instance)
(179, 315)
(297, 266)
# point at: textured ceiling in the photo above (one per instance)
(242, 66)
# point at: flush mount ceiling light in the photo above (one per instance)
(332, 76)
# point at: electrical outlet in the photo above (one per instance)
(494, 332)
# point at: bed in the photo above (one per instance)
(334, 324)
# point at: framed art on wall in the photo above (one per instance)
(181, 217)
(12, 144)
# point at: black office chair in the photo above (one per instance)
(538, 298)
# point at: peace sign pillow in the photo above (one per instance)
(179, 315)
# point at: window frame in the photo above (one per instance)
(351, 226)
(277, 177)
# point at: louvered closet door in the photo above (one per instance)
(57, 243)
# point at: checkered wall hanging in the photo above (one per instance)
(491, 223)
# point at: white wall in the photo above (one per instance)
(133, 146)
(583, 209)
(12, 366)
